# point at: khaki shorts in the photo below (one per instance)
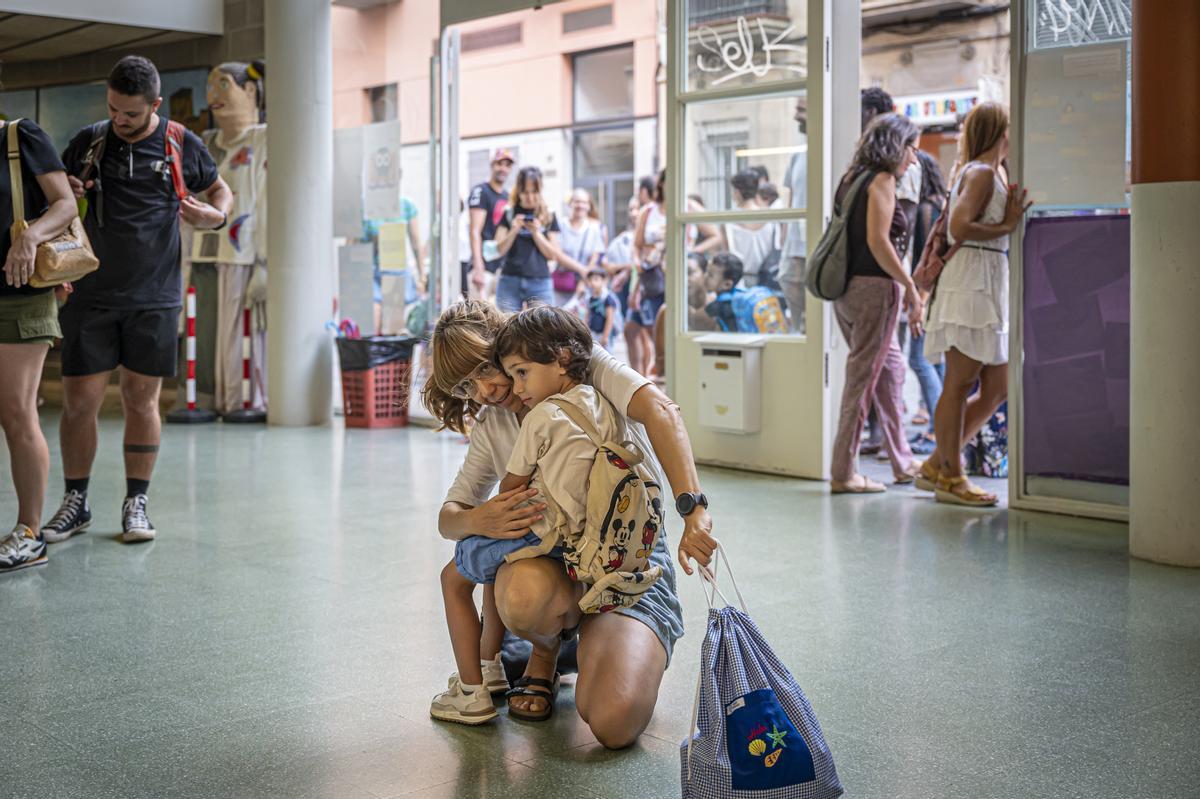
(29, 319)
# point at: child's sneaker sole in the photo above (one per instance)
(463, 717)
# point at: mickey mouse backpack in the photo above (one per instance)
(757, 736)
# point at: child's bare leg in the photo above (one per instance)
(493, 627)
(462, 620)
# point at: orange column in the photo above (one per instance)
(1165, 297)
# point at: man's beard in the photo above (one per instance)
(139, 131)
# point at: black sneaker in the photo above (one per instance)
(73, 517)
(134, 521)
(21, 549)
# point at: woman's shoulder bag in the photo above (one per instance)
(66, 257)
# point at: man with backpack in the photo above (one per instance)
(136, 173)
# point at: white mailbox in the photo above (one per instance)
(731, 382)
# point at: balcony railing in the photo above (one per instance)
(706, 12)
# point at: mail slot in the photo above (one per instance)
(731, 383)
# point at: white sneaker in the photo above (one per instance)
(494, 678)
(456, 705)
(20, 549)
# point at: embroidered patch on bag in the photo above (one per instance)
(765, 749)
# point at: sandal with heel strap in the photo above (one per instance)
(927, 477)
(961, 491)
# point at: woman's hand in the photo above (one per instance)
(1015, 207)
(697, 541)
(914, 303)
(18, 267)
(500, 516)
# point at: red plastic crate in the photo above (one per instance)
(377, 397)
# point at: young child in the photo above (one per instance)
(721, 278)
(604, 309)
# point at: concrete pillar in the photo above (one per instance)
(1165, 324)
(299, 50)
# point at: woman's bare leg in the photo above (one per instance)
(621, 666)
(21, 367)
(948, 419)
(983, 404)
(463, 622)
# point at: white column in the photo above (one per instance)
(299, 210)
(1164, 497)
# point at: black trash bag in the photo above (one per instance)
(515, 652)
(361, 354)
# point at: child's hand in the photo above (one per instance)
(506, 516)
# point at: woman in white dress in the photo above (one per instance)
(968, 314)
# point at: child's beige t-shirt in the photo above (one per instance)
(562, 453)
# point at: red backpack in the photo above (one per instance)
(172, 160)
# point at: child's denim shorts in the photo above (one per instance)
(478, 558)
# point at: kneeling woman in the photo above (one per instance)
(623, 654)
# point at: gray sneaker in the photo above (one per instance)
(135, 524)
(21, 549)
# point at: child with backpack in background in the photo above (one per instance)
(603, 309)
(738, 309)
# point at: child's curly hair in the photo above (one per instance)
(546, 335)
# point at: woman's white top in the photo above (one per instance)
(969, 310)
(753, 247)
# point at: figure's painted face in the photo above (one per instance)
(230, 103)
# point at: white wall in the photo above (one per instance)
(192, 16)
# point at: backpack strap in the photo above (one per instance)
(174, 156)
(14, 171)
(91, 165)
(630, 456)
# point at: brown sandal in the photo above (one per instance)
(961, 491)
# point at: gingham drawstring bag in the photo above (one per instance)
(757, 736)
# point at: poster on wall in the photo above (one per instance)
(1075, 125)
(381, 170)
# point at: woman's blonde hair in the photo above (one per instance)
(983, 129)
(462, 340)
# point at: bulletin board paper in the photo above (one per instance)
(1075, 125)
(392, 252)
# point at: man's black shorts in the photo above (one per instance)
(99, 339)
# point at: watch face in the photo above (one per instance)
(685, 504)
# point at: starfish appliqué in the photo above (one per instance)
(776, 736)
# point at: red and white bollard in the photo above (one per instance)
(191, 414)
(246, 414)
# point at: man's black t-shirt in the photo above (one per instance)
(38, 157)
(524, 259)
(138, 246)
(492, 203)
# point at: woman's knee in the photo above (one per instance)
(453, 582)
(618, 722)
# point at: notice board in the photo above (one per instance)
(1075, 124)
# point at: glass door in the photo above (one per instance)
(746, 171)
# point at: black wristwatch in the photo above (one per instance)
(687, 502)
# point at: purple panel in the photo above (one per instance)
(1076, 360)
